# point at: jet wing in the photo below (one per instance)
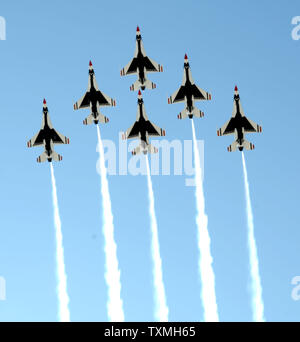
(154, 130)
(133, 131)
(250, 126)
(104, 100)
(228, 128)
(151, 65)
(200, 94)
(130, 68)
(36, 140)
(84, 102)
(178, 95)
(58, 138)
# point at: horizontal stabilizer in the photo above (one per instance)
(248, 145)
(183, 114)
(44, 156)
(149, 149)
(136, 151)
(198, 113)
(136, 86)
(232, 147)
(245, 145)
(150, 85)
(99, 118)
(152, 149)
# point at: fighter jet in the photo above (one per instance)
(48, 136)
(188, 93)
(143, 129)
(140, 65)
(94, 98)
(238, 125)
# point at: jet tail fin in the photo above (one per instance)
(246, 145)
(137, 85)
(197, 113)
(44, 156)
(149, 149)
(100, 118)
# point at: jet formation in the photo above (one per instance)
(188, 93)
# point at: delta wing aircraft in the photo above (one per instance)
(188, 93)
(94, 99)
(140, 65)
(143, 129)
(47, 136)
(238, 125)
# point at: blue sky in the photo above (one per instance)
(46, 54)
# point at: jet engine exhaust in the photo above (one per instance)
(112, 275)
(257, 300)
(207, 275)
(63, 297)
(161, 310)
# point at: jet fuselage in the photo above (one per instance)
(142, 121)
(188, 91)
(47, 133)
(93, 97)
(140, 62)
(239, 123)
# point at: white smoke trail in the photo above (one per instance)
(63, 297)
(207, 275)
(112, 274)
(257, 301)
(162, 310)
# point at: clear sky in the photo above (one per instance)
(46, 53)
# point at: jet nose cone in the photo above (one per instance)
(44, 102)
(90, 64)
(185, 56)
(137, 29)
(140, 94)
(236, 88)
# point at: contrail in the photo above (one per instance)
(161, 311)
(207, 275)
(257, 301)
(112, 274)
(63, 297)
